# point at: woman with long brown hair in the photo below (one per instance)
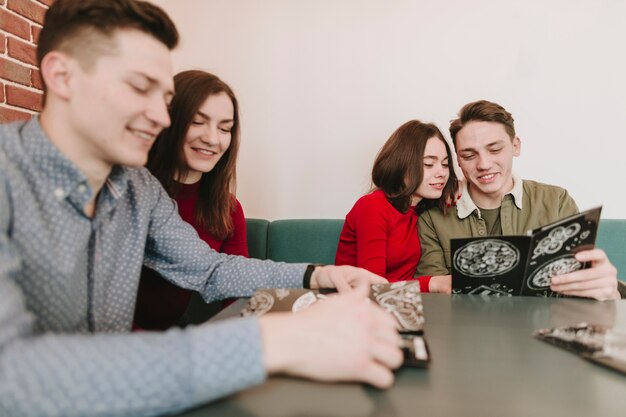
(411, 173)
(195, 160)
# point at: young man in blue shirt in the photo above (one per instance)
(79, 216)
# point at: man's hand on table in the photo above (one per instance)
(343, 338)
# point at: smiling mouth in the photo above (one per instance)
(142, 134)
(487, 177)
(438, 185)
(204, 151)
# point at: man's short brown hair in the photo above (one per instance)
(483, 111)
(82, 27)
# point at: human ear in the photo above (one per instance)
(56, 72)
(517, 146)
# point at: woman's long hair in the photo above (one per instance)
(167, 163)
(399, 167)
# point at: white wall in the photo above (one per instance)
(323, 83)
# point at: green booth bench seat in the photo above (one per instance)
(300, 240)
(315, 240)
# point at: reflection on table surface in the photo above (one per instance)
(485, 362)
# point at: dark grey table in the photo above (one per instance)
(485, 362)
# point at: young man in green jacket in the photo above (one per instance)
(493, 201)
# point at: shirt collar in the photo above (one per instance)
(66, 180)
(466, 206)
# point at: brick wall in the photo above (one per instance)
(20, 83)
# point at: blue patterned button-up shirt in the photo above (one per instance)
(68, 285)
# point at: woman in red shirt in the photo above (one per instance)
(195, 161)
(411, 173)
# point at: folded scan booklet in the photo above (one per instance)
(522, 265)
(599, 344)
(402, 299)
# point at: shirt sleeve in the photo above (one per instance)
(141, 374)
(237, 244)
(567, 205)
(432, 261)
(174, 250)
(424, 281)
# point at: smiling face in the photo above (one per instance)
(436, 170)
(208, 136)
(485, 155)
(118, 105)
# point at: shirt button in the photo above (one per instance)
(59, 194)
(481, 232)
(82, 189)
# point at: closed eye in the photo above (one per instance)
(139, 88)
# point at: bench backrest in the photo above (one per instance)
(315, 240)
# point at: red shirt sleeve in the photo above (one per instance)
(424, 283)
(237, 244)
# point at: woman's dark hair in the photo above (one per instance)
(399, 167)
(167, 163)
